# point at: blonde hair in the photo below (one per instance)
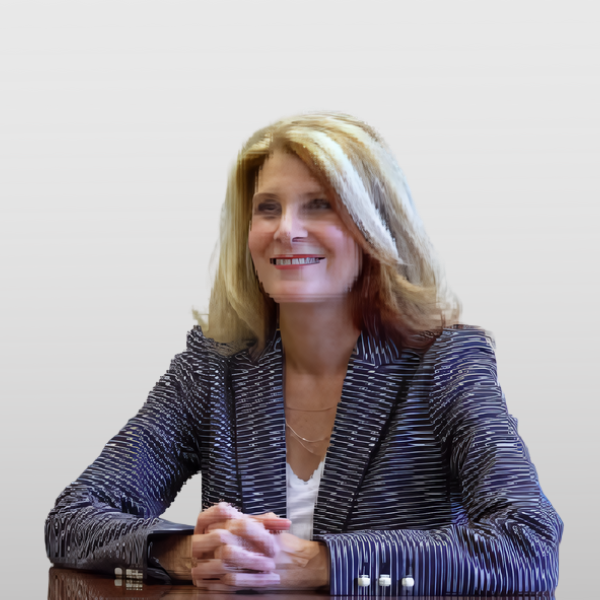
(400, 291)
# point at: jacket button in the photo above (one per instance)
(384, 580)
(408, 582)
(364, 580)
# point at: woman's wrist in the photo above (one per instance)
(305, 564)
(320, 566)
(174, 553)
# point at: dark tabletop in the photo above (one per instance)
(67, 584)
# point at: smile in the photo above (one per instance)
(305, 260)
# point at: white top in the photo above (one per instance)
(301, 499)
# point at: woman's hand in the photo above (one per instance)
(233, 550)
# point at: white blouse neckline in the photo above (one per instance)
(301, 500)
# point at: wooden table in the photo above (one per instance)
(68, 584)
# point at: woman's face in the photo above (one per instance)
(302, 251)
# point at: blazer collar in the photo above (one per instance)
(372, 385)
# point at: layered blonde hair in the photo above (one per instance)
(400, 292)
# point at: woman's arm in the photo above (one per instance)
(103, 521)
(507, 539)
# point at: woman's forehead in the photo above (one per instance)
(282, 170)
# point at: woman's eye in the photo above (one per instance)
(267, 208)
(319, 204)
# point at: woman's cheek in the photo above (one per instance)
(254, 248)
(258, 241)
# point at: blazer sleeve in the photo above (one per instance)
(505, 541)
(103, 521)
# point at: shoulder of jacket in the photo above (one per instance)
(198, 344)
(462, 340)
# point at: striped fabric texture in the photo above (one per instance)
(426, 476)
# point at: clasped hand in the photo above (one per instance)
(230, 549)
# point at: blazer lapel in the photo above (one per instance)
(370, 392)
(260, 422)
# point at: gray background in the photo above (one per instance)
(119, 122)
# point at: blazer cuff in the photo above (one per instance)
(367, 565)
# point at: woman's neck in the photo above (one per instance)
(318, 338)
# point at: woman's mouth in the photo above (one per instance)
(295, 261)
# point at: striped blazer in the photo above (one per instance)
(426, 476)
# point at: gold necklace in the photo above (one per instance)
(310, 409)
(302, 438)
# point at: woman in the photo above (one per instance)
(333, 386)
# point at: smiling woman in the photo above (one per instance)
(352, 179)
(351, 434)
(301, 250)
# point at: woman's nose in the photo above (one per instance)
(291, 227)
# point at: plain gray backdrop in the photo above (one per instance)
(119, 122)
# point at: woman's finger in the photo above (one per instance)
(209, 542)
(235, 557)
(217, 525)
(229, 582)
(251, 580)
(255, 534)
(214, 514)
(272, 522)
(209, 569)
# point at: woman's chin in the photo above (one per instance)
(300, 297)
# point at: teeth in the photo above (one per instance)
(310, 260)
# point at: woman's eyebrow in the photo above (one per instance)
(275, 196)
(264, 196)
